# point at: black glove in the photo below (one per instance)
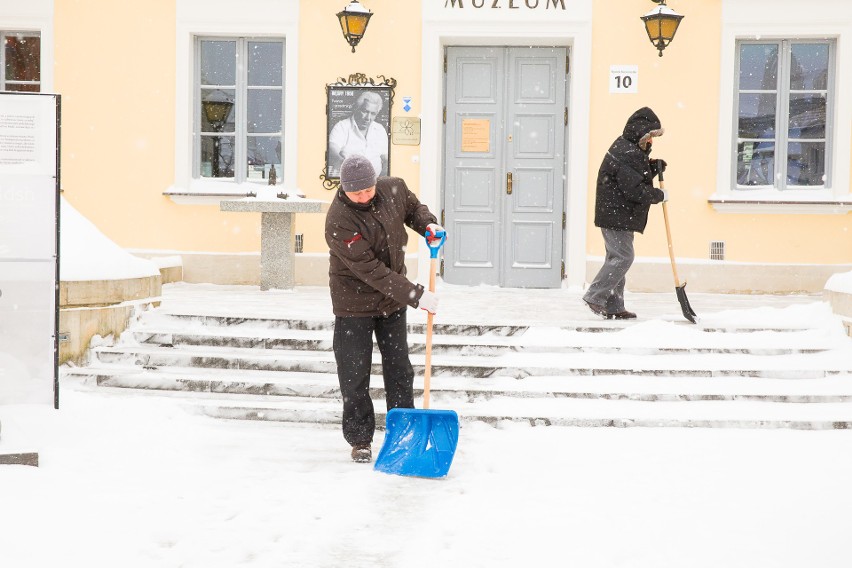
(658, 165)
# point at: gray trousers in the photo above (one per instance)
(607, 289)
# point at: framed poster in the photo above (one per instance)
(358, 112)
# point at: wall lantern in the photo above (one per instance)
(353, 22)
(661, 24)
(217, 107)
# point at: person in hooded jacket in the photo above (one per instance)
(365, 231)
(624, 195)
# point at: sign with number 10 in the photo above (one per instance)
(623, 78)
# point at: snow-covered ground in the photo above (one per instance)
(136, 481)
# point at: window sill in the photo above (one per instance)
(206, 192)
(775, 202)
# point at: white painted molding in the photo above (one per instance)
(571, 28)
(253, 18)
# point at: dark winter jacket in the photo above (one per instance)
(367, 246)
(624, 190)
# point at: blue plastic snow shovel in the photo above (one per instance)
(421, 442)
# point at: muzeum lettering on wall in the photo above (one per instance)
(507, 4)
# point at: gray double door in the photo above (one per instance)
(504, 159)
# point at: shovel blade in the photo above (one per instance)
(688, 313)
(419, 442)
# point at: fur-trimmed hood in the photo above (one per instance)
(642, 124)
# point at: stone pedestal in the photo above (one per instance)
(277, 234)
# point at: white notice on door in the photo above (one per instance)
(476, 135)
(623, 78)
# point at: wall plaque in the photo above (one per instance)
(405, 130)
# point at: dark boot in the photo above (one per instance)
(362, 453)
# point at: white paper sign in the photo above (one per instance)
(623, 78)
(28, 134)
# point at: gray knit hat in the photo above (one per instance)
(357, 173)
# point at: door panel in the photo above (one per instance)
(471, 185)
(526, 252)
(536, 161)
(534, 190)
(479, 237)
(504, 159)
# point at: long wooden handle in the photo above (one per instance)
(669, 237)
(427, 373)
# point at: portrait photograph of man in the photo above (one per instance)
(358, 122)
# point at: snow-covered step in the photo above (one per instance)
(517, 365)
(570, 412)
(325, 385)
(184, 320)
(533, 341)
(563, 411)
(195, 321)
(745, 370)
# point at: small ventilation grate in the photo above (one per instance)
(300, 242)
(717, 250)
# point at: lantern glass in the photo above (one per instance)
(217, 108)
(216, 112)
(353, 22)
(668, 27)
(661, 25)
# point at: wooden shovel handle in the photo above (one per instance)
(427, 372)
(669, 234)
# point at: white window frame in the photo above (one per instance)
(4, 33)
(782, 113)
(240, 111)
(36, 17)
(776, 20)
(260, 19)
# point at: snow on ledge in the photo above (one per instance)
(87, 254)
(841, 282)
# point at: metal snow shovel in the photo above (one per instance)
(421, 442)
(680, 289)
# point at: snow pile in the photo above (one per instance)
(841, 282)
(87, 254)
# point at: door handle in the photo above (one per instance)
(509, 183)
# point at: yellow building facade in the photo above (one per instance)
(763, 185)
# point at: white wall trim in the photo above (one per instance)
(252, 18)
(754, 19)
(541, 28)
(34, 15)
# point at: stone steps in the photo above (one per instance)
(583, 373)
(612, 387)
(494, 408)
(578, 342)
(182, 321)
(516, 365)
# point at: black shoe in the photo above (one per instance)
(598, 310)
(625, 315)
(362, 453)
